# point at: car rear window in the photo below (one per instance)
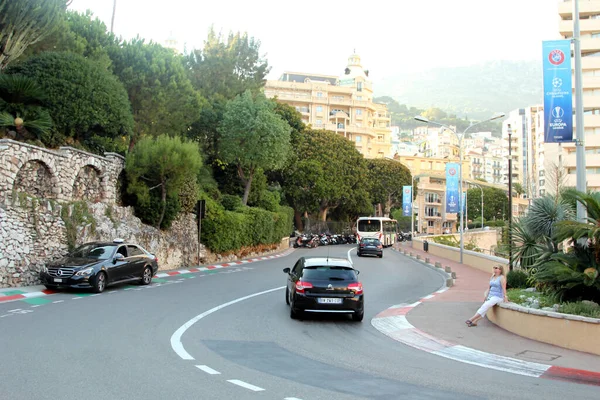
(327, 272)
(370, 241)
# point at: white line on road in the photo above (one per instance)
(208, 369)
(76, 298)
(245, 385)
(37, 305)
(176, 337)
(16, 309)
(349, 258)
(292, 398)
(58, 301)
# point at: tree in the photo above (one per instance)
(518, 189)
(326, 171)
(387, 178)
(79, 33)
(87, 103)
(228, 68)
(253, 136)
(223, 69)
(161, 95)
(159, 168)
(494, 202)
(22, 107)
(25, 22)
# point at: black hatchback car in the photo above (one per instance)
(99, 264)
(320, 284)
(369, 246)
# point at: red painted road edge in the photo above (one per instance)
(572, 375)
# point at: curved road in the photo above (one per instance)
(186, 337)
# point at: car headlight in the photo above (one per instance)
(85, 272)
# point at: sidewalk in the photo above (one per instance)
(442, 317)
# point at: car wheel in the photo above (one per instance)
(358, 254)
(381, 256)
(357, 317)
(147, 276)
(99, 282)
(287, 296)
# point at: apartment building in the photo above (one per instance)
(341, 104)
(429, 205)
(529, 164)
(564, 154)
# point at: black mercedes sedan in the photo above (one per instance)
(324, 285)
(99, 264)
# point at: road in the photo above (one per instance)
(227, 334)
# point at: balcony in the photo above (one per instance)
(565, 27)
(586, 8)
(339, 115)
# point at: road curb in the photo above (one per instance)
(393, 323)
(46, 292)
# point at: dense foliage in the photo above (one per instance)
(87, 103)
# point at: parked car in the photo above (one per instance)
(320, 284)
(99, 264)
(369, 246)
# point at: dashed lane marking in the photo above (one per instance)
(208, 369)
(245, 385)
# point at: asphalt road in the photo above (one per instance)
(124, 344)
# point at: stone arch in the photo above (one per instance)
(88, 184)
(36, 178)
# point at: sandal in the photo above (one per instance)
(468, 322)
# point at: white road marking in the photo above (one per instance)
(176, 337)
(5, 315)
(292, 398)
(431, 296)
(37, 305)
(245, 385)
(15, 310)
(97, 294)
(58, 301)
(208, 369)
(76, 298)
(349, 258)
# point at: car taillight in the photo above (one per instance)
(357, 287)
(300, 286)
(362, 245)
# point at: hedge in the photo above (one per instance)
(225, 231)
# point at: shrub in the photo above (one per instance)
(584, 309)
(517, 279)
(231, 202)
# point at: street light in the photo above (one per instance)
(460, 152)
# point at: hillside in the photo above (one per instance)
(475, 92)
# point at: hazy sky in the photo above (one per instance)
(318, 36)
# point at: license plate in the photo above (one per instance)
(57, 280)
(329, 300)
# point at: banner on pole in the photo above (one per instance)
(452, 171)
(463, 202)
(407, 201)
(558, 94)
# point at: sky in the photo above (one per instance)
(317, 36)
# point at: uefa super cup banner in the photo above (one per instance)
(406, 200)
(452, 199)
(558, 97)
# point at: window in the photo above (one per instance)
(359, 86)
(358, 98)
(319, 122)
(340, 126)
(134, 251)
(358, 139)
(358, 112)
(319, 94)
(319, 108)
(430, 224)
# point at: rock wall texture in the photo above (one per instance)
(50, 199)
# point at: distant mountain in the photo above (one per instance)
(476, 91)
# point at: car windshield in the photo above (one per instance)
(328, 273)
(93, 251)
(373, 242)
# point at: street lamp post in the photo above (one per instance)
(460, 155)
(510, 210)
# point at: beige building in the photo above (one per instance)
(340, 104)
(429, 205)
(589, 16)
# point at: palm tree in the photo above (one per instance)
(21, 107)
(528, 246)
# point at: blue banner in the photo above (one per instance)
(452, 171)
(406, 200)
(558, 95)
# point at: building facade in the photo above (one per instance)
(340, 104)
(589, 23)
